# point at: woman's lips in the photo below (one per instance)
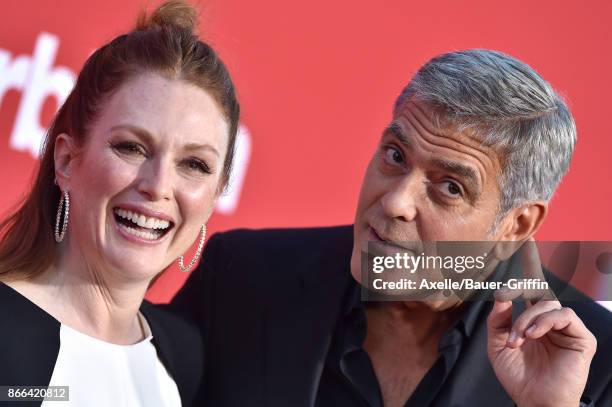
(141, 237)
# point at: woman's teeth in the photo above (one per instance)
(141, 220)
(141, 233)
(144, 227)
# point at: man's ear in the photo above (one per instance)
(518, 225)
(64, 154)
(523, 222)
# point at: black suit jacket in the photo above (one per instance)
(30, 343)
(268, 302)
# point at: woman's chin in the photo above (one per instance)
(144, 275)
(133, 256)
(136, 266)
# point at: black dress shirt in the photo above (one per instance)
(348, 377)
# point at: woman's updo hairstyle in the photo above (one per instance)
(164, 42)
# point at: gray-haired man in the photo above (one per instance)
(476, 147)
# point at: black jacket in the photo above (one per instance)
(268, 302)
(30, 343)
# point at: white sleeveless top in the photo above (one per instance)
(99, 373)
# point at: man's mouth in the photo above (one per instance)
(141, 225)
(375, 235)
(399, 245)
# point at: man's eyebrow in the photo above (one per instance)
(396, 130)
(463, 171)
(147, 137)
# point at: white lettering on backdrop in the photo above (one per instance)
(37, 78)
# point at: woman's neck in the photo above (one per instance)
(88, 299)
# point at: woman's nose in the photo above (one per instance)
(156, 181)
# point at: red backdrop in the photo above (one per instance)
(316, 81)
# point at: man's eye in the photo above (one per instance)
(393, 155)
(451, 188)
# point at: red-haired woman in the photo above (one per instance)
(131, 170)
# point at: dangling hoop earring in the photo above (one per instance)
(60, 236)
(197, 253)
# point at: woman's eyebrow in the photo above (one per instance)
(147, 137)
(196, 146)
(138, 131)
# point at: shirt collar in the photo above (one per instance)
(467, 318)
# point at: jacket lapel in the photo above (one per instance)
(30, 341)
(299, 326)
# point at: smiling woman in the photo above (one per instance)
(131, 170)
(155, 156)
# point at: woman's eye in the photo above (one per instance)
(198, 166)
(393, 155)
(130, 148)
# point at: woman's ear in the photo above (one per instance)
(64, 154)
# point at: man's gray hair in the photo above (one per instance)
(509, 107)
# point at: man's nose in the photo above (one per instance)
(156, 180)
(400, 200)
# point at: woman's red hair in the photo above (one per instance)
(162, 43)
